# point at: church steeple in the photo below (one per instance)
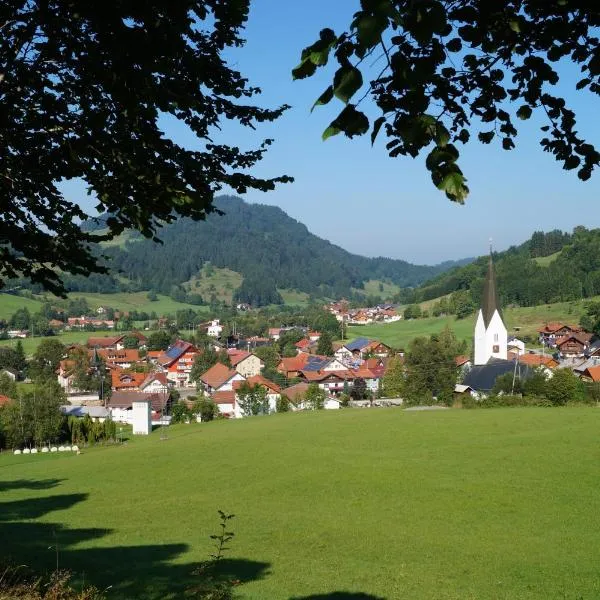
(491, 336)
(489, 300)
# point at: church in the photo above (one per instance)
(491, 341)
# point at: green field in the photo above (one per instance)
(453, 504)
(10, 304)
(220, 282)
(544, 261)
(67, 337)
(528, 320)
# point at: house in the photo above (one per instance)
(106, 342)
(81, 322)
(274, 333)
(304, 345)
(227, 403)
(4, 400)
(66, 375)
(56, 324)
(219, 378)
(360, 348)
(481, 378)
(9, 372)
(214, 328)
(538, 361)
(461, 392)
(96, 413)
(463, 363)
(17, 333)
(245, 363)
(313, 336)
(573, 345)
(331, 404)
(591, 374)
(516, 346)
(177, 361)
(155, 381)
(291, 367)
(295, 393)
(126, 380)
(332, 382)
(551, 332)
(124, 358)
(120, 404)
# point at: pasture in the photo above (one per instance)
(390, 504)
(65, 337)
(520, 321)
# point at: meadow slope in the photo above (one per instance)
(450, 504)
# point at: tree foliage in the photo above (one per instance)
(314, 396)
(253, 399)
(393, 379)
(325, 344)
(82, 91)
(447, 70)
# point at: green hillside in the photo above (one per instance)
(390, 504)
(9, 304)
(520, 321)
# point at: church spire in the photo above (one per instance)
(489, 300)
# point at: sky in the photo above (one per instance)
(356, 196)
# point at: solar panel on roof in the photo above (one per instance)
(357, 344)
(174, 352)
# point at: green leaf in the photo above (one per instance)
(454, 45)
(572, 162)
(442, 135)
(351, 121)
(515, 26)
(508, 144)
(376, 127)
(330, 132)
(524, 112)
(454, 185)
(369, 29)
(305, 69)
(324, 98)
(346, 82)
(315, 55)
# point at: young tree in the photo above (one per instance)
(94, 87)
(269, 355)
(393, 380)
(202, 363)
(158, 340)
(283, 404)
(325, 344)
(46, 359)
(253, 399)
(131, 342)
(206, 408)
(564, 386)
(446, 70)
(7, 386)
(315, 396)
(359, 389)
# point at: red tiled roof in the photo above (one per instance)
(260, 380)
(154, 353)
(217, 375)
(120, 356)
(155, 376)
(537, 360)
(593, 373)
(303, 343)
(553, 327)
(461, 360)
(226, 397)
(125, 399)
(294, 363)
(104, 342)
(237, 356)
(581, 337)
(119, 379)
(295, 391)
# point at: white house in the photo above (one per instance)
(516, 345)
(491, 336)
(215, 328)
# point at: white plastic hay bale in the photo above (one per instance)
(67, 448)
(74, 448)
(54, 449)
(17, 452)
(26, 451)
(34, 451)
(45, 449)
(61, 448)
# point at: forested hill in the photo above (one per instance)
(550, 267)
(262, 243)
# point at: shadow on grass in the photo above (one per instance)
(340, 596)
(149, 572)
(29, 484)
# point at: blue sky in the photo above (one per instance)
(356, 196)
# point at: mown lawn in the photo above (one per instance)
(10, 304)
(453, 504)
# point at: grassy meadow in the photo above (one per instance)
(527, 319)
(451, 504)
(66, 337)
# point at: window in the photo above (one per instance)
(495, 337)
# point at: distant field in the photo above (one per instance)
(528, 320)
(383, 504)
(67, 337)
(9, 305)
(136, 301)
(292, 297)
(220, 282)
(544, 261)
(372, 288)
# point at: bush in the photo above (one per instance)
(180, 413)
(504, 400)
(283, 404)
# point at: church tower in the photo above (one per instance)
(491, 336)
